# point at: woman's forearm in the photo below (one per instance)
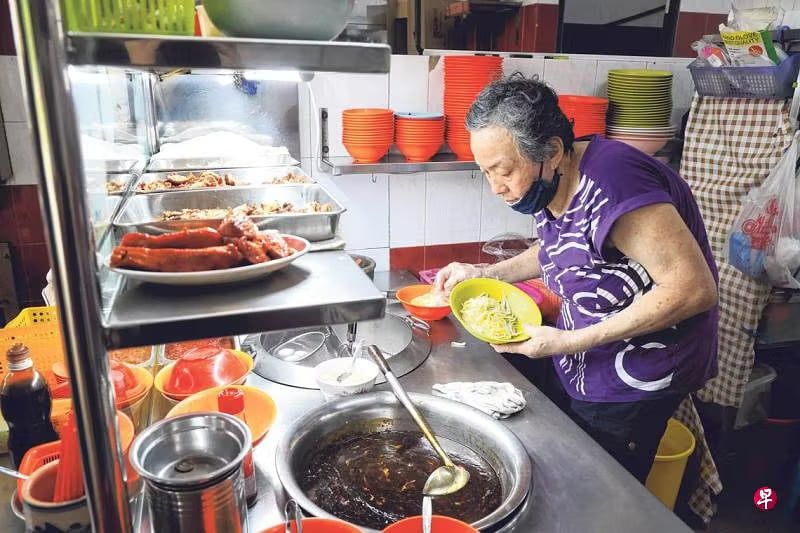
(518, 268)
(657, 310)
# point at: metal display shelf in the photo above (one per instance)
(319, 288)
(162, 53)
(396, 164)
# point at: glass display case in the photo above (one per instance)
(107, 110)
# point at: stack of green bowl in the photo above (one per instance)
(640, 98)
(641, 105)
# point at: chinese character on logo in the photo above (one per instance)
(765, 499)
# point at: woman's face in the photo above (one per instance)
(509, 173)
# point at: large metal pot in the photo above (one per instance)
(459, 426)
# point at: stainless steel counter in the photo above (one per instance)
(576, 485)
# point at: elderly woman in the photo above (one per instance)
(622, 242)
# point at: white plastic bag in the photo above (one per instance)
(764, 241)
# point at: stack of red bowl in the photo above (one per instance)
(587, 113)
(418, 135)
(367, 133)
(464, 78)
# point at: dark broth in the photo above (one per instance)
(376, 479)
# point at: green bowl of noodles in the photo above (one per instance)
(494, 311)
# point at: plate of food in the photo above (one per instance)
(234, 251)
(494, 311)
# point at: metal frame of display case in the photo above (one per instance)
(45, 51)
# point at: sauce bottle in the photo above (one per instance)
(231, 401)
(25, 404)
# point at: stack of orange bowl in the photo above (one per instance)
(464, 78)
(587, 113)
(418, 135)
(367, 133)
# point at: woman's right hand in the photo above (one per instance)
(454, 273)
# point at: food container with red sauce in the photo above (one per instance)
(143, 356)
(170, 352)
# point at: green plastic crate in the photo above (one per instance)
(160, 17)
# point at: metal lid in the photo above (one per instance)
(190, 451)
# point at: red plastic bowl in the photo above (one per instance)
(366, 153)
(461, 149)
(406, 294)
(318, 525)
(419, 151)
(439, 524)
(203, 368)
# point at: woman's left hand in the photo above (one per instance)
(544, 342)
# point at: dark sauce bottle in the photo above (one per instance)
(25, 404)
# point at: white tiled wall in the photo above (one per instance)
(407, 209)
(20, 147)
(450, 207)
(571, 76)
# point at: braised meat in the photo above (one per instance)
(176, 259)
(188, 238)
(237, 239)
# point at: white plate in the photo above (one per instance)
(220, 277)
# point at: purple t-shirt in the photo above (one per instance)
(596, 282)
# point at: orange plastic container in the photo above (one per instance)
(40, 455)
(439, 524)
(259, 408)
(406, 294)
(319, 525)
(163, 376)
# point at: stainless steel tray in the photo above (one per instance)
(210, 163)
(143, 211)
(245, 177)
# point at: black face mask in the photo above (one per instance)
(539, 194)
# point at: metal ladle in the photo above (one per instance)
(446, 479)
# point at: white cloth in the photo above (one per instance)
(500, 400)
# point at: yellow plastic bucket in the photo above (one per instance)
(674, 450)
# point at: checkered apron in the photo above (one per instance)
(730, 147)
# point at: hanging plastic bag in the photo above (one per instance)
(764, 241)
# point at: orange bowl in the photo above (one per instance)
(418, 140)
(382, 123)
(367, 112)
(319, 525)
(164, 375)
(406, 294)
(367, 132)
(367, 141)
(411, 129)
(362, 142)
(419, 151)
(439, 524)
(461, 149)
(366, 153)
(259, 408)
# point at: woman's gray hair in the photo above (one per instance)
(528, 109)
